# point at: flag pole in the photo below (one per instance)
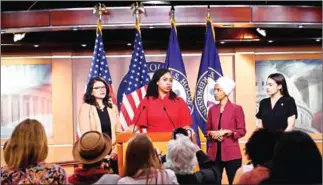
(208, 11)
(209, 19)
(172, 17)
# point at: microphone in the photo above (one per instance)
(164, 108)
(143, 108)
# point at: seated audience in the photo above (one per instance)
(297, 160)
(25, 155)
(260, 151)
(182, 157)
(142, 164)
(91, 150)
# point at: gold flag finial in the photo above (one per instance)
(172, 13)
(99, 10)
(138, 9)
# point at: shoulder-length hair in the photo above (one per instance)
(141, 155)
(280, 80)
(27, 145)
(90, 99)
(152, 90)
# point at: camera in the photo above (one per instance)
(183, 131)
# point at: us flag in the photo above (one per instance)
(136, 81)
(99, 66)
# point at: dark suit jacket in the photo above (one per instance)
(232, 119)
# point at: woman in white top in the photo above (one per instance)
(143, 165)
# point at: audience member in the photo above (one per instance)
(142, 164)
(91, 150)
(297, 160)
(25, 155)
(182, 157)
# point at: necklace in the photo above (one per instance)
(101, 109)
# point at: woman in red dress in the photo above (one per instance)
(161, 110)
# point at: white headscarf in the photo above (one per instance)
(227, 84)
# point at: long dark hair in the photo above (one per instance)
(280, 80)
(296, 150)
(152, 90)
(90, 99)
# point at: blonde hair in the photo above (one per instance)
(27, 145)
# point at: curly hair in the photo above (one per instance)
(90, 99)
(261, 145)
(152, 90)
(181, 155)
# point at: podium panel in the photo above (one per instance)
(159, 140)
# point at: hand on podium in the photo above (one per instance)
(113, 156)
(131, 129)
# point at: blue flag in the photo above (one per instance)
(210, 70)
(174, 62)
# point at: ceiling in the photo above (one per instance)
(42, 5)
(190, 37)
(157, 38)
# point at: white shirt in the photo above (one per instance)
(165, 177)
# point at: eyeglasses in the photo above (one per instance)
(99, 88)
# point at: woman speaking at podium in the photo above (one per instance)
(161, 110)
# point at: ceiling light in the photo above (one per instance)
(36, 46)
(270, 41)
(227, 25)
(18, 36)
(261, 32)
(318, 40)
(2, 32)
(151, 27)
(83, 45)
(74, 28)
(155, 2)
(128, 44)
(300, 26)
(222, 42)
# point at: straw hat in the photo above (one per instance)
(92, 147)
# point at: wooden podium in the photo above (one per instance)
(123, 138)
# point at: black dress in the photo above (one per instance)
(275, 118)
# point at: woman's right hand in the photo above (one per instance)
(216, 135)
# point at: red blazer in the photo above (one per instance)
(232, 119)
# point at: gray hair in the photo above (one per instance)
(181, 155)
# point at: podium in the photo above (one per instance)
(122, 141)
